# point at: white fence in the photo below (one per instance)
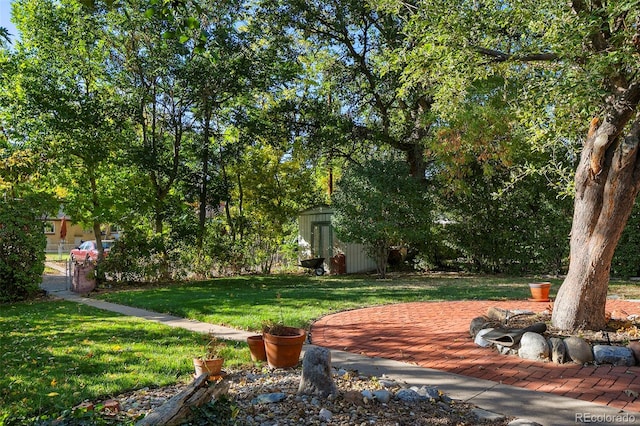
(60, 248)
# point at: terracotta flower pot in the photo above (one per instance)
(540, 291)
(256, 347)
(283, 350)
(211, 366)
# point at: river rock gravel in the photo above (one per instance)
(268, 397)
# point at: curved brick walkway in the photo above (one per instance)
(436, 335)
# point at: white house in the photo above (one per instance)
(316, 238)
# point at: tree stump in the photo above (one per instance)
(316, 373)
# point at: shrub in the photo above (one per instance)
(22, 245)
(626, 261)
(139, 257)
(378, 204)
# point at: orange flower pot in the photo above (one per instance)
(283, 350)
(256, 347)
(540, 291)
(211, 366)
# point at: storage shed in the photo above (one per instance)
(316, 238)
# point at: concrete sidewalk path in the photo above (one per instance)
(540, 407)
(166, 319)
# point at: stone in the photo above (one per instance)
(497, 314)
(427, 392)
(325, 415)
(409, 396)
(367, 395)
(517, 312)
(480, 341)
(558, 350)
(523, 422)
(432, 392)
(477, 324)
(382, 396)
(615, 355)
(487, 416)
(354, 397)
(533, 346)
(316, 373)
(444, 406)
(388, 383)
(269, 398)
(578, 350)
(635, 348)
(506, 350)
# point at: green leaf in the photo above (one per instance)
(192, 22)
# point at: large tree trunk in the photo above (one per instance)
(204, 190)
(607, 183)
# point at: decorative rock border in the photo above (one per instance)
(534, 346)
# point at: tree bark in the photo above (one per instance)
(204, 190)
(179, 408)
(607, 183)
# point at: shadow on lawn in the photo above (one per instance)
(57, 354)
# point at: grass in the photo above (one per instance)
(246, 302)
(55, 257)
(55, 355)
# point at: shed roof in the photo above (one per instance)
(319, 209)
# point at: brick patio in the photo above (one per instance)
(436, 335)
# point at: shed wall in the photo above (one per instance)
(316, 238)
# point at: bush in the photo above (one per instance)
(380, 205)
(626, 261)
(22, 245)
(138, 257)
(523, 231)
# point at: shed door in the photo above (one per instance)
(321, 240)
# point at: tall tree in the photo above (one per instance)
(271, 196)
(347, 43)
(216, 78)
(24, 198)
(70, 110)
(573, 63)
(503, 216)
(150, 76)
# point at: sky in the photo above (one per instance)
(5, 16)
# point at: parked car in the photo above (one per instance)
(88, 251)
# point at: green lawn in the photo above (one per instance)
(54, 355)
(55, 257)
(245, 302)
(57, 354)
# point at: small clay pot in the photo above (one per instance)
(540, 291)
(256, 347)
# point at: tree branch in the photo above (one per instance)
(622, 109)
(498, 56)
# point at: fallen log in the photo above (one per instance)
(178, 408)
